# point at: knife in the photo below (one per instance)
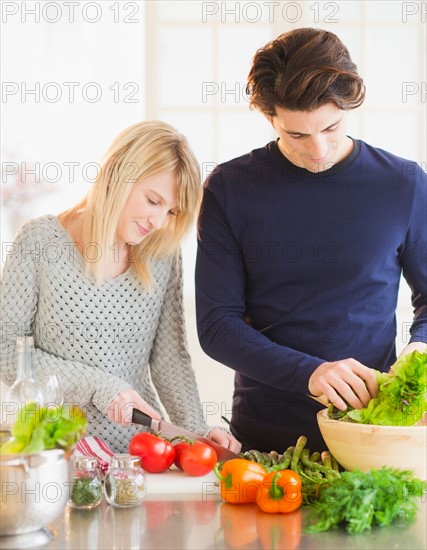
(169, 430)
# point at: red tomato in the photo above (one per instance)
(156, 454)
(199, 459)
(197, 512)
(158, 511)
(179, 449)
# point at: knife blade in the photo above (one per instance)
(170, 430)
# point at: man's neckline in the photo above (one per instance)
(335, 169)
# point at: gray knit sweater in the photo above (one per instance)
(100, 338)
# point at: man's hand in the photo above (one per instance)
(414, 346)
(225, 439)
(346, 380)
(120, 408)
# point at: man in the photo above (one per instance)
(302, 244)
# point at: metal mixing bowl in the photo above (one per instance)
(34, 490)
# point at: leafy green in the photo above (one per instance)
(41, 428)
(359, 500)
(401, 398)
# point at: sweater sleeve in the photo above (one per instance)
(82, 383)
(170, 363)
(220, 302)
(414, 257)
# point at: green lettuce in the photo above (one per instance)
(41, 428)
(401, 398)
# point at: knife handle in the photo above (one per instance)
(138, 417)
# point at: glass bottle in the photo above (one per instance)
(124, 483)
(86, 490)
(25, 389)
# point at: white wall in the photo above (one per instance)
(184, 62)
(87, 74)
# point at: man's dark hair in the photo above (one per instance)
(302, 70)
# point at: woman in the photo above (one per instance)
(100, 287)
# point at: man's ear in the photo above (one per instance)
(269, 119)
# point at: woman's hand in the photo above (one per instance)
(344, 381)
(120, 408)
(225, 439)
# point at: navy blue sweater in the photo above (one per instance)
(296, 268)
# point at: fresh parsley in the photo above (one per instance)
(358, 500)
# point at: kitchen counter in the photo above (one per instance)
(174, 522)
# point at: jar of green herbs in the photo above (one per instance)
(86, 489)
(124, 484)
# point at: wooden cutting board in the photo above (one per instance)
(176, 482)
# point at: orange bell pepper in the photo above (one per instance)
(281, 492)
(279, 531)
(241, 480)
(238, 524)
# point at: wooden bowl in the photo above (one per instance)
(365, 446)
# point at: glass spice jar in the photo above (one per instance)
(124, 483)
(86, 490)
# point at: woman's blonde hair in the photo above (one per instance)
(139, 152)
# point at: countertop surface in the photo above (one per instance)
(204, 522)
